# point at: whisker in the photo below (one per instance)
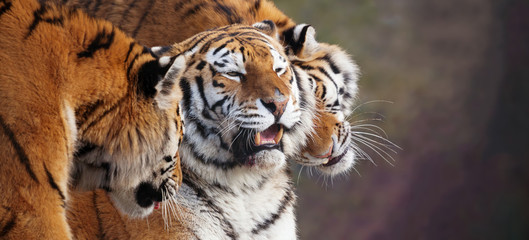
(387, 143)
(299, 174)
(371, 128)
(369, 102)
(376, 149)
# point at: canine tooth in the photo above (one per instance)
(326, 161)
(279, 135)
(258, 139)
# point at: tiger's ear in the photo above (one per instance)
(267, 27)
(159, 51)
(301, 41)
(168, 92)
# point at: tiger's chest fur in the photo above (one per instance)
(263, 209)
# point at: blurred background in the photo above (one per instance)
(457, 73)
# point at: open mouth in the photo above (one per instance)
(271, 135)
(335, 160)
(268, 139)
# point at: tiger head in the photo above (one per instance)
(334, 76)
(242, 103)
(130, 148)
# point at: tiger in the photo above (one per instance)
(246, 111)
(333, 73)
(80, 98)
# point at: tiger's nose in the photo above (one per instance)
(276, 107)
(277, 104)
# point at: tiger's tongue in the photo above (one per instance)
(271, 135)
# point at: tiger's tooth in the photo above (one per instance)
(326, 161)
(279, 135)
(258, 139)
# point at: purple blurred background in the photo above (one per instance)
(457, 73)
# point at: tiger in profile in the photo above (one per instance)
(73, 87)
(331, 70)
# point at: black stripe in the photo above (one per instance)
(211, 161)
(98, 119)
(304, 92)
(295, 44)
(217, 84)
(167, 85)
(219, 64)
(131, 46)
(106, 180)
(200, 84)
(9, 225)
(281, 23)
(146, 10)
(85, 148)
(322, 70)
(193, 10)
(256, 7)
(324, 91)
(37, 18)
(22, 157)
(85, 111)
(103, 40)
(203, 130)
(347, 77)
(232, 16)
(163, 171)
(54, 185)
(285, 202)
(189, 179)
(219, 48)
(302, 36)
(131, 64)
(241, 49)
(101, 233)
(201, 65)
(148, 76)
(219, 103)
(5, 7)
(186, 90)
(334, 68)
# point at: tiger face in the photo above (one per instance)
(241, 99)
(163, 182)
(150, 142)
(333, 76)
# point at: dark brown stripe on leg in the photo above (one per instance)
(54, 185)
(22, 157)
(9, 225)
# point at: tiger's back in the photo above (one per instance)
(66, 80)
(166, 22)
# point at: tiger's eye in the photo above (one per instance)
(233, 74)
